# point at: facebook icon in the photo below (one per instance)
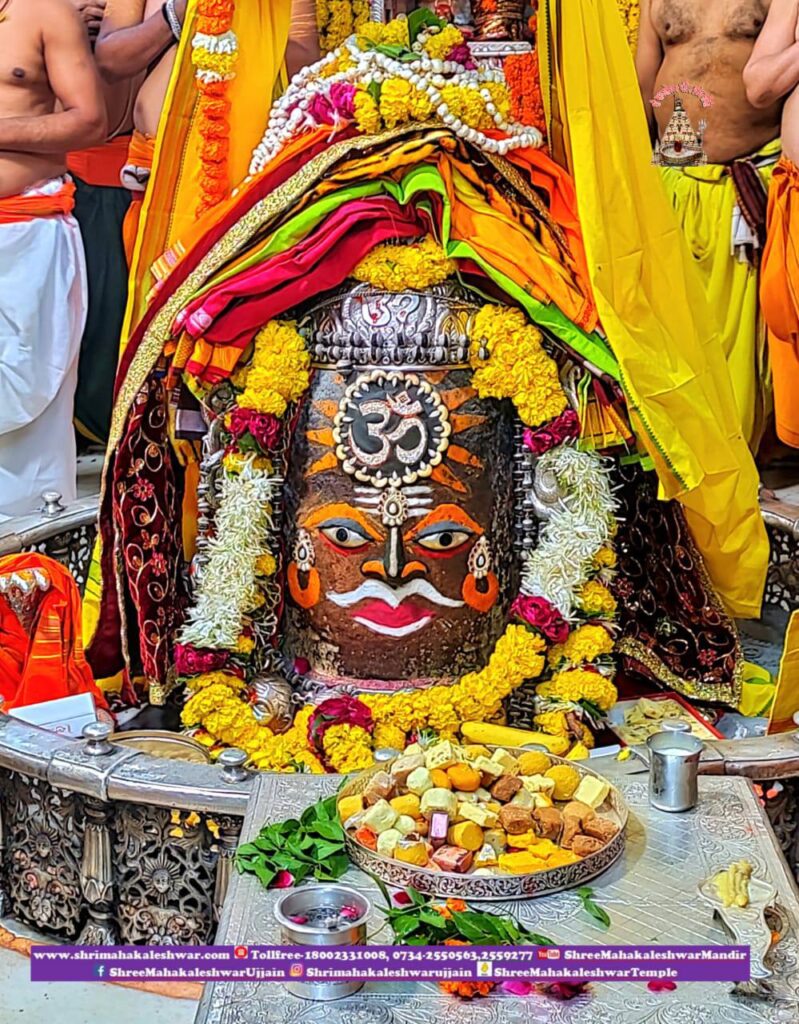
(99, 970)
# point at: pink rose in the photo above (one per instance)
(193, 661)
(661, 986)
(342, 97)
(517, 987)
(283, 880)
(263, 427)
(561, 429)
(541, 615)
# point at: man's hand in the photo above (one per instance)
(91, 11)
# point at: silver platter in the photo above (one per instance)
(499, 887)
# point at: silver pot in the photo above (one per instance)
(673, 768)
(309, 902)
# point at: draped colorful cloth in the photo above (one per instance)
(705, 201)
(779, 295)
(135, 174)
(45, 661)
(34, 204)
(649, 297)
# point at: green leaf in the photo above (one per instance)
(324, 850)
(419, 20)
(534, 939)
(471, 927)
(247, 850)
(433, 919)
(329, 829)
(403, 926)
(418, 899)
(591, 908)
(373, 88)
(265, 876)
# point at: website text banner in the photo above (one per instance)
(390, 963)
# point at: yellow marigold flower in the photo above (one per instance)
(605, 558)
(388, 736)
(395, 33)
(395, 98)
(228, 679)
(244, 645)
(399, 267)
(596, 600)
(440, 45)
(552, 722)
(279, 373)
(517, 367)
(587, 644)
(367, 116)
(266, 564)
(578, 684)
(234, 462)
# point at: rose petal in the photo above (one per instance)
(661, 986)
(299, 919)
(517, 987)
(283, 880)
(402, 899)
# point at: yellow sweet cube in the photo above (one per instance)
(592, 791)
(407, 804)
(506, 759)
(522, 863)
(478, 814)
(442, 755)
(349, 805)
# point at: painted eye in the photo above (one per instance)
(446, 539)
(344, 533)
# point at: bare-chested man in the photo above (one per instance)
(771, 76)
(720, 205)
(50, 103)
(141, 36)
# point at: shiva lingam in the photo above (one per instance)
(399, 498)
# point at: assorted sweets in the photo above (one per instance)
(645, 718)
(732, 885)
(468, 809)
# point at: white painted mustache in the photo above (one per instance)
(391, 595)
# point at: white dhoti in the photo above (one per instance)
(43, 302)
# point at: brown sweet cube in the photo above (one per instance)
(379, 787)
(575, 814)
(600, 828)
(403, 767)
(453, 858)
(515, 820)
(584, 845)
(548, 822)
(506, 788)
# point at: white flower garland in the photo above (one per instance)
(562, 562)
(290, 116)
(228, 583)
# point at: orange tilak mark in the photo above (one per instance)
(461, 421)
(445, 513)
(307, 596)
(456, 397)
(465, 458)
(480, 601)
(447, 478)
(344, 511)
(328, 461)
(326, 407)
(414, 567)
(323, 436)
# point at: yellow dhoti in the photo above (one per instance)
(705, 201)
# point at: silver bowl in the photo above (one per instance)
(492, 887)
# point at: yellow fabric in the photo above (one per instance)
(703, 199)
(262, 28)
(757, 691)
(651, 302)
(786, 699)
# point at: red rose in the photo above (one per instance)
(563, 428)
(336, 711)
(193, 661)
(541, 615)
(264, 428)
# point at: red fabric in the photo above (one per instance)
(232, 313)
(48, 662)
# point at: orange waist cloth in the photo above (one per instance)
(101, 165)
(47, 661)
(779, 296)
(141, 150)
(16, 209)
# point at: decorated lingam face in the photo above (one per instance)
(399, 504)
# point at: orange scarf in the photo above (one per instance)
(140, 154)
(47, 663)
(101, 165)
(17, 209)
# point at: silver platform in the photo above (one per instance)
(650, 895)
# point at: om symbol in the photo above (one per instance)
(391, 428)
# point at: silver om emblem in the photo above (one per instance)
(391, 428)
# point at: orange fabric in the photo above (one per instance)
(16, 209)
(779, 296)
(101, 165)
(47, 663)
(141, 150)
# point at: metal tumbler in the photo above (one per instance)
(673, 770)
(311, 916)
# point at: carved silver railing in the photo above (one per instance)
(103, 844)
(65, 533)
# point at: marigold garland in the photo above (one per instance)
(580, 684)
(517, 366)
(397, 268)
(523, 76)
(338, 19)
(279, 372)
(215, 51)
(630, 11)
